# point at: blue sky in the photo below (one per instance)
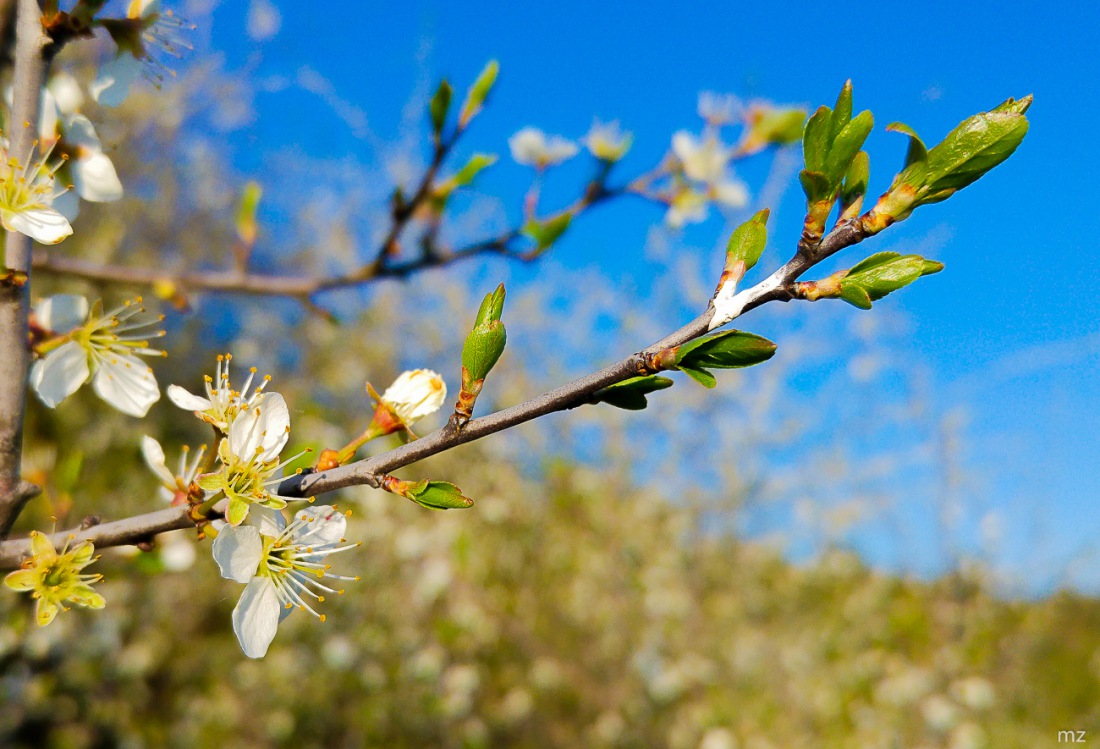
(1009, 331)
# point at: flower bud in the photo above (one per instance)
(486, 341)
(415, 394)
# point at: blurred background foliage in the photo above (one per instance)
(677, 578)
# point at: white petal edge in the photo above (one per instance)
(256, 617)
(60, 374)
(268, 522)
(328, 526)
(238, 551)
(154, 458)
(95, 178)
(43, 225)
(127, 383)
(265, 426)
(187, 401)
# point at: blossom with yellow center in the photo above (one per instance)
(55, 579)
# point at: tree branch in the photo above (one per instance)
(296, 286)
(30, 72)
(576, 393)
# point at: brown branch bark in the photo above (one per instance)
(30, 72)
(368, 471)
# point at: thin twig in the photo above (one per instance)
(576, 393)
(30, 72)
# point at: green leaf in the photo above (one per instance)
(747, 241)
(847, 144)
(881, 274)
(778, 126)
(703, 377)
(477, 94)
(246, 213)
(1014, 106)
(917, 151)
(842, 112)
(473, 167)
(730, 349)
(631, 394)
(545, 233)
(815, 185)
(815, 140)
(856, 178)
(440, 105)
(485, 342)
(855, 295)
(437, 495)
(977, 145)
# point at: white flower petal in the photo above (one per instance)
(66, 92)
(43, 225)
(60, 373)
(238, 551)
(154, 458)
(262, 430)
(187, 401)
(684, 145)
(256, 617)
(732, 193)
(80, 133)
(95, 179)
(127, 383)
(329, 525)
(268, 522)
(61, 313)
(114, 80)
(528, 146)
(415, 394)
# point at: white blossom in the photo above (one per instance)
(97, 345)
(155, 31)
(719, 109)
(27, 192)
(93, 173)
(532, 147)
(415, 394)
(607, 142)
(221, 403)
(703, 159)
(174, 486)
(282, 566)
(249, 456)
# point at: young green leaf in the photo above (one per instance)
(475, 98)
(847, 144)
(773, 126)
(246, 223)
(702, 376)
(977, 145)
(545, 233)
(881, 274)
(746, 244)
(437, 495)
(730, 349)
(815, 140)
(917, 151)
(631, 394)
(854, 186)
(473, 167)
(485, 342)
(440, 105)
(842, 112)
